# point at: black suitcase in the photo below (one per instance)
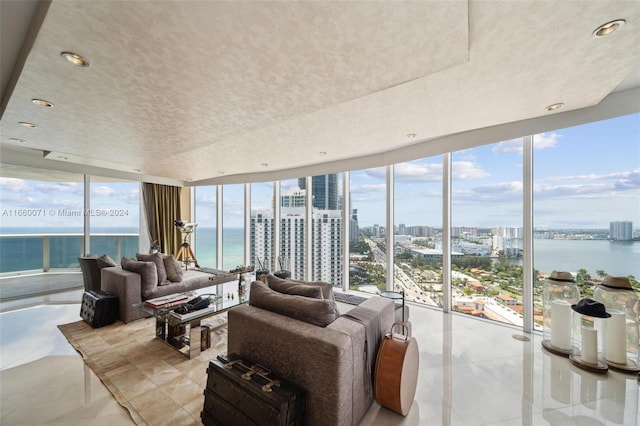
(238, 394)
(99, 308)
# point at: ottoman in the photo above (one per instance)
(99, 308)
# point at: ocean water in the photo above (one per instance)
(25, 253)
(232, 247)
(621, 258)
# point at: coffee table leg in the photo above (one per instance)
(194, 339)
(161, 329)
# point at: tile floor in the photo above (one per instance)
(472, 372)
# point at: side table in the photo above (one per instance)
(395, 295)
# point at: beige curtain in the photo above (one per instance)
(162, 208)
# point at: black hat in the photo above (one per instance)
(591, 308)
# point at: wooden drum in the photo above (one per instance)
(396, 374)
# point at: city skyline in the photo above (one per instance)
(573, 187)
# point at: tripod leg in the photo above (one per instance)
(181, 257)
(192, 256)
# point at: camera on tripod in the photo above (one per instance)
(186, 254)
(185, 227)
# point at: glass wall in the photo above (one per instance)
(586, 203)
(585, 206)
(367, 252)
(114, 217)
(204, 238)
(42, 220)
(232, 226)
(486, 231)
(43, 217)
(418, 230)
(262, 226)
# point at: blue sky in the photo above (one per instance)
(584, 176)
(40, 204)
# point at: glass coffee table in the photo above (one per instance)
(184, 332)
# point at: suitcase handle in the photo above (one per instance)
(407, 336)
(256, 369)
(268, 386)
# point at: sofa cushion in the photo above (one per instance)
(290, 287)
(327, 288)
(157, 259)
(320, 312)
(148, 274)
(173, 268)
(105, 261)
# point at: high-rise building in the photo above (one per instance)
(326, 234)
(354, 229)
(262, 247)
(293, 198)
(327, 247)
(621, 231)
(324, 191)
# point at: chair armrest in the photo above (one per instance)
(127, 286)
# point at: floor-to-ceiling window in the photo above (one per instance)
(576, 174)
(486, 231)
(367, 254)
(205, 233)
(262, 226)
(42, 216)
(232, 226)
(114, 217)
(587, 203)
(418, 230)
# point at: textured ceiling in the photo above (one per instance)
(194, 90)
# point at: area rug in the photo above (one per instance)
(155, 383)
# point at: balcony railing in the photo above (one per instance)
(33, 252)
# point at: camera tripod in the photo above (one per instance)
(186, 254)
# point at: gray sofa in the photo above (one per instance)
(135, 287)
(326, 361)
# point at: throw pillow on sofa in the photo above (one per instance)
(327, 288)
(173, 268)
(157, 259)
(105, 261)
(320, 312)
(147, 271)
(290, 287)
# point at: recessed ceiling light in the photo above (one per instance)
(27, 124)
(264, 164)
(608, 28)
(42, 103)
(16, 140)
(75, 59)
(62, 157)
(411, 135)
(188, 179)
(554, 107)
(323, 153)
